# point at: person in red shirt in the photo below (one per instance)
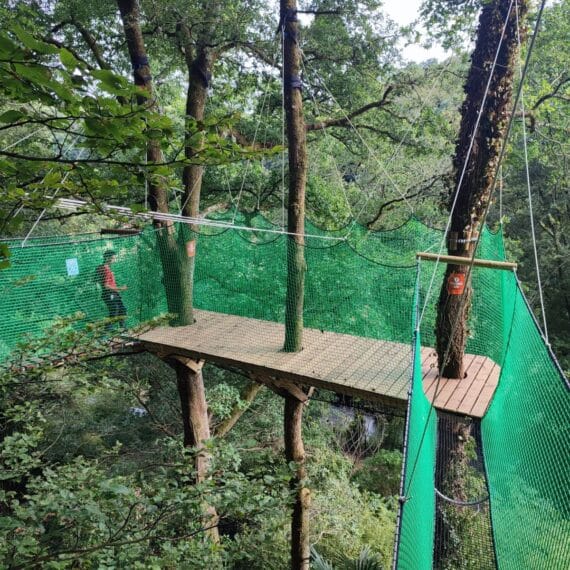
(111, 295)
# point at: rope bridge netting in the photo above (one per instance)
(362, 286)
(502, 484)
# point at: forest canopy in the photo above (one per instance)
(188, 117)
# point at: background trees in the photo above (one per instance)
(88, 479)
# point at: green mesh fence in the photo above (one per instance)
(417, 513)
(526, 438)
(362, 285)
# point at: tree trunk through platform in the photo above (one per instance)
(297, 150)
(479, 149)
(199, 64)
(174, 262)
(296, 269)
(177, 259)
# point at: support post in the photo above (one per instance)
(196, 425)
(295, 452)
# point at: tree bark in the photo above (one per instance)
(247, 396)
(199, 63)
(297, 150)
(295, 452)
(196, 426)
(172, 253)
(296, 268)
(177, 266)
(473, 187)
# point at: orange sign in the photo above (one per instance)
(456, 283)
(191, 248)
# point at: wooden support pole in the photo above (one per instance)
(196, 425)
(295, 452)
(465, 261)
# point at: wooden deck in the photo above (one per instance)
(368, 368)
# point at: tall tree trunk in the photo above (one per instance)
(474, 185)
(295, 452)
(199, 66)
(178, 267)
(172, 253)
(196, 427)
(296, 268)
(297, 150)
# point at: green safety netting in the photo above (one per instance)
(523, 438)
(363, 284)
(526, 438)
(415, 538)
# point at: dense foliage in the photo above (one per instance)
(93, 472)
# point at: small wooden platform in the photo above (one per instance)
(368, 368)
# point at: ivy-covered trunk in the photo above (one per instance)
(199, 64)
(475, 163)
(297, 150)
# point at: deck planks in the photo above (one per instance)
(368, 368)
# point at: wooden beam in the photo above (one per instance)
(458, 260)
(120, 231)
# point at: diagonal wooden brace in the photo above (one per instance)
(284, 388)
(194, 365)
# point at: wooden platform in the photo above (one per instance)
(370, 369)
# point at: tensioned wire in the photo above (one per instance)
(369, 149)
(528, 185)
(328, 137)
(256, 131)
(41, 215)
(70, 204)
(366, 145)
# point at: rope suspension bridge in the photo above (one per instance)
(362, 301)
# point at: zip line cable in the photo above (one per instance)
(255, 133)
(366, 145)
(19, 141)
(41, 215)
(72, 204)
(337, 171)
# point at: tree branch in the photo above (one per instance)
(347, 120)
(390, 203)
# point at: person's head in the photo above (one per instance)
(109, 256)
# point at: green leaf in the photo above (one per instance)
(11, 116)
(52, 178)
(68, 59)
(110, 81)
(4, 256)
(32, 43)
(34, 73)
(8, 48)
